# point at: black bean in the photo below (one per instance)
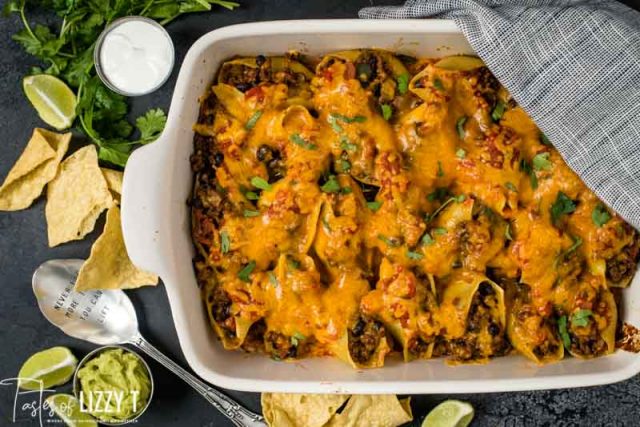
(358, 328)
(264, 153)
(494, 329)
(218, 158)
(243, 87)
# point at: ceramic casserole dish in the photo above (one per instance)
(156, 225)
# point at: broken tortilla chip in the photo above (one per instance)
(109, 266)
(36, 166)
(114, 182)
(384, 410)
(76, 197)
(300, 410)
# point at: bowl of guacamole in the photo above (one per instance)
(114, 384)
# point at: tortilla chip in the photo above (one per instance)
(114, 182)
(36, 166)
(300, 410)
(109, 266)
(76, 197)
(384, 410)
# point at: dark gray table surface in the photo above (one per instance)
(23, 246)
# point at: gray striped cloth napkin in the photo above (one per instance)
(574, 66)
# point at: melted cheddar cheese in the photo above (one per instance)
(384, 203)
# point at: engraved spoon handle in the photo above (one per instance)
(239, 415)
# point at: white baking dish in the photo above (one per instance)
(156, 227)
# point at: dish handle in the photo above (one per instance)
(142, 196)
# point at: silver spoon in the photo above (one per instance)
(108, 317)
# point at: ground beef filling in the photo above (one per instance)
(485, 336)
(280, 345)
(623, 265)
(220, 306)
(364, 337)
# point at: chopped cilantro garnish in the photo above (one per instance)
(347, 145)
(346, 190)
(437, 83)
(331, 186)
(440, 193)
(246, 271)
(225, 242)
(403, 83)
(541, 162)
(374, 206)
(510, 186)
(389, 241)
(427, 239)
(250, 213)
(439, 231)
(528, 169)
(460, 153)
(562, 206)
(460, 126)
(345, 166)
(260, 183)
(544, 140)
(273, 279)
(250, 195)
(498, 111)
(564, 334)
(298, 140)
(440, 170)
(293, 263)
(253, 120)
(387, 111)
(296, 338)
(414, 255)
(600, 215)
(346, 119)
(581, 317)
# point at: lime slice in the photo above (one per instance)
(52, 99)
(47, 368)
(67, 408)
(450, 413)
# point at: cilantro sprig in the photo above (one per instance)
(67, 52)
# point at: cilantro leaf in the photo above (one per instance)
(298, 140)
(248, 213)
(562, 206)
(528, 169)
(564, 334)
(374, 206)
(331, 186)
(225, 242)
(460, 153)
(437, 83)
(581, 317)
(387, 111)
(245, 273)
(151, 125)
(541, 162)
(600, 215)
(498, 111)
(260, 183)
(273, 279)
(414, 255)
(460, 126)
(251, 123)
(390, 241)
(403, 83)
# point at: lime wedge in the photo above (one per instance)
(67, 408)
(450, 413)
(47, 368)
(52, 99)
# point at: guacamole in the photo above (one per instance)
(114, 386)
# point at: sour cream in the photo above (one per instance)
(134, 56)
